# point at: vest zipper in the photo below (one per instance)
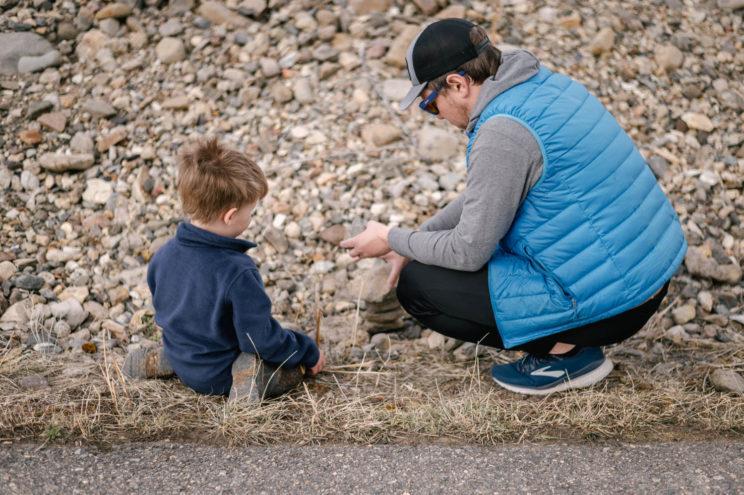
(548, 273)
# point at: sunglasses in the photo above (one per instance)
(429, 104)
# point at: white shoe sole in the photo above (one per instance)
(595, 376)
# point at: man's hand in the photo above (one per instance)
(372, 243)
(397, 263)
(318, 366)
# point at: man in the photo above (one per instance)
(562, 241)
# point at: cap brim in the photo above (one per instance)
(413, 93)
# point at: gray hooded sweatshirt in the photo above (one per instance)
(505, 162)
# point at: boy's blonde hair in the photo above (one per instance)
(213, 178)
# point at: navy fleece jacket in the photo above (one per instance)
(211, 304)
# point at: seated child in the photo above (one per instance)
(218, 333)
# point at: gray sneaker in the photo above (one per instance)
(147, 362)
(255, 380)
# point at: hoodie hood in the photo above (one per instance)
(516, 67)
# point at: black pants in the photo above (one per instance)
(457, 304)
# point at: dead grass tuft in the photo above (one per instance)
(422, 397)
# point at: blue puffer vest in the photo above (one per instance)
(595, 236)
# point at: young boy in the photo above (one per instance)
(208, 295)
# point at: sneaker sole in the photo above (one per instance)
(587, 380)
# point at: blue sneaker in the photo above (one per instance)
(542, 375)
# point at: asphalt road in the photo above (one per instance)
(712, 467)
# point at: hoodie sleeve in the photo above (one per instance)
(505, 163)
(258, 333)
(447, 217)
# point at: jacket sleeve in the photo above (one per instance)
(505, 162)
(258, 333)
(446, 218)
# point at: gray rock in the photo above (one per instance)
(70, 310)
(437, 144)
(269, 67)
(67, 31)
(98, 108)
(28, 282)
(36, 63)
(253, 8)
(730, 4)
(277, 239)
(217, 13)
(728, 381)
(47, 348)
(14, 46)
(171, 27)
(668, 57)
(170, 50)
(38, 107)
(61, 329)
(109, 27)
(699, 261)
(33, 382)
(281, 93)
(82, 143)
(59, 162)
(176, 7)
(303, 91)
(659, 166)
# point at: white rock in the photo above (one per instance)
(7, 270)
(63, 255)
(70, 310)
(381, 134)
(684, 314)
(18, 312)
(603, 41)
(697, 121)
(97, 191)
(60, 162)
(437, 144)
(395, 89)
(705, 299)
(170, 50)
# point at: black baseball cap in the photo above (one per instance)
(441, 47)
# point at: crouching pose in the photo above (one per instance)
(562, 241)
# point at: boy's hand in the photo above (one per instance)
(371, 243)
(318, 366)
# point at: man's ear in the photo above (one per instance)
(229, 215)
(457, 82)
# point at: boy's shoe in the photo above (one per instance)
(542, 375)
(254, 380)
(147, 362)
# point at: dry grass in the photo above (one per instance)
(421, 397)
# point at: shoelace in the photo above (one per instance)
(532, 362)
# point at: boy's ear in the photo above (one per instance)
(229, 214)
